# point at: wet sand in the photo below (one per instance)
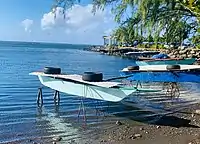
(178, 128)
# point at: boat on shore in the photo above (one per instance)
(164, 59)
(142, 53)
(169, 61)
(163, 73)
(89, 85)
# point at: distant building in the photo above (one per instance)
(109, 40)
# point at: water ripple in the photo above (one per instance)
(22, 121)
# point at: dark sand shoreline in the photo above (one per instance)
(178, 128)
(183, 128)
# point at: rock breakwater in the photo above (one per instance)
(122, 52)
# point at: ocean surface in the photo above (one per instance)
(22, 121)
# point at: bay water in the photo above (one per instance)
(22, 121)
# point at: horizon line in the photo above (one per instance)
(45, 42)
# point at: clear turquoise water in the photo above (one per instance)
(20, 118)
(22, 121)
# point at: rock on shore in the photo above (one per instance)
(174, 53)
(183, 53)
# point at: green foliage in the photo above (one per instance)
(150, 38)
(158, 46)
(153, 46)
(198, 46)
(143, 46)
(157, 20)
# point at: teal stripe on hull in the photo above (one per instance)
(167, 62)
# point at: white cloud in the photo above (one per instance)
(76, 18)
(27, 23)
(51, 19)
(79, 20)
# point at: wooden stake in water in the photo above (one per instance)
(39, 97)
(57, 97)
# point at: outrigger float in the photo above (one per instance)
(89, 85)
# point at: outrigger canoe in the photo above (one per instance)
(163, 73)
(168, 61)
(74, 84)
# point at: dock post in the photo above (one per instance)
(57, 97)
(39, 97)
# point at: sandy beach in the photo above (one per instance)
(178, 128)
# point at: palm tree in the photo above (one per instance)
(151, 17)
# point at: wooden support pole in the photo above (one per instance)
(57, 97)
(39, 97)
(138, 84)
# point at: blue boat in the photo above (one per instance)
(163, 73)
(163, 59)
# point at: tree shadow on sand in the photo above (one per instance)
(161, 117)
(174, 121)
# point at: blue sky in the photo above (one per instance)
(32, 20)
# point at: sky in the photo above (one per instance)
(32, 20)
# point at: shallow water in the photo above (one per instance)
(21, 120)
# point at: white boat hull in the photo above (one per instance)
(87, 91)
